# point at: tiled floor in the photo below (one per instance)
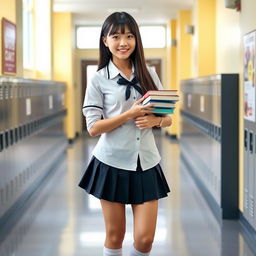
(60, 219)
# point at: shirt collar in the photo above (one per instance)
(114, 71)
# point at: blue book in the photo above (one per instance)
(163, 110)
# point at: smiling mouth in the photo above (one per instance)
(123, 50)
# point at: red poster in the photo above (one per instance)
(8, 47)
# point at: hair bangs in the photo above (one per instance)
(117, 28)
(119, 23)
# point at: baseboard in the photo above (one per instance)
(248, 231)
(171, 136)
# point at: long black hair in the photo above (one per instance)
(114, 22)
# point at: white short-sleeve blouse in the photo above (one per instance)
(121, 147)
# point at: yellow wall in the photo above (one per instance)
(203, 61)
(43, 39)
(206, 37)
(172, 68)
(184, 47)
(19, 38)
(63, 64)
(227, 39)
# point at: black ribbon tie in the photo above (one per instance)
(129, 84)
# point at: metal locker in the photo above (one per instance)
(206, 110)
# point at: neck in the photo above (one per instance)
(122, 64)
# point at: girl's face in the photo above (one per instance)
(120, 45)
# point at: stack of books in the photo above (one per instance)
(163, 100)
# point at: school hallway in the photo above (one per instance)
(60, 72)
(60, 219)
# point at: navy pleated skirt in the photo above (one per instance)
(123, 186)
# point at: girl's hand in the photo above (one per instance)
(147, 121)
(138, 110)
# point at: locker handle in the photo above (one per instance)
(251, 142)
(245, 139)
(6, 139)
(1, 142)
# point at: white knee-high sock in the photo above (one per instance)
(112, 252)
(135, 252)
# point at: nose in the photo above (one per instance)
(123, 41)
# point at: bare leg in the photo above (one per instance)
(114, 217)
(145, 218)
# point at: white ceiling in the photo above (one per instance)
(144, 11)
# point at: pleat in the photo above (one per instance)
(161, 179)
(122, 187)
(99, 180)
(110, 185)
(150, 189)
(136, 188)
(88, 177)
(93, 178)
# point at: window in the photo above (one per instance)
(28, 34)
(88, 37)
(152, 37)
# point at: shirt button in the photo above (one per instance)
(138, 138)
(134, 97)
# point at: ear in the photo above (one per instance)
(104, 39)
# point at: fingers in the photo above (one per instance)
(142, 123)
(139, 101)
(145, 117)
(150, 105)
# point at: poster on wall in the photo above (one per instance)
(249, 76)
(8, 47)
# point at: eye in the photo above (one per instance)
(115, 36)
(130, 36)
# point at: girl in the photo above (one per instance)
(125, 165)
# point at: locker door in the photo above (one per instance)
(246, 165)
(254, 182)
(251, 177)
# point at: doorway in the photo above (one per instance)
(88, 68)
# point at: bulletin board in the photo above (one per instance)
(9, 39)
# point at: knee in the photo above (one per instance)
(143, 243)
(114, 238)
